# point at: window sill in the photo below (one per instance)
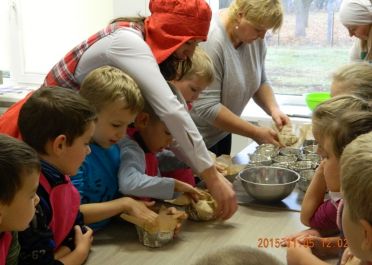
(293, 106)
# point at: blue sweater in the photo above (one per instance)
(97, 179)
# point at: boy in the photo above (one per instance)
(139, 173)
(356, 182)
(117, 100)
(19, 179)
(58, 124)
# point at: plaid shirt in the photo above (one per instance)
(62, 74)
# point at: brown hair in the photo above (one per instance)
(52, 111)
(326, 112)
(347, 127)
(17, 161)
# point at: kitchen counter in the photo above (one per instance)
(251, 224)
(118, 243)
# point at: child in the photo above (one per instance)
(117, 99)
(187, 89)
(356, 187)
(200, 75)
(238, 255)
(355, 78)
(340, 132)
(19, 179)
(58, 124)
(139, 173)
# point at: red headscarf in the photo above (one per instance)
(174, 22)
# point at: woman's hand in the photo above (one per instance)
(266, 136)
(221, 190)
(279, 118)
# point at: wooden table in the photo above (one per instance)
(251, 224)
(118, 243)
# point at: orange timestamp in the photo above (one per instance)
(271, 242)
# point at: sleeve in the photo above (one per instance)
(37, 244)
(129, 52)
(263, 60)
(325, 217)
(132, 178)
(208, 105)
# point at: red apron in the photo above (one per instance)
(5, 241)
(65, 202)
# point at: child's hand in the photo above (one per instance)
(297, 252)
(179, 215)
(187, 188)
(308, 232)
(140, 210)
(84, 241)
(346, 256)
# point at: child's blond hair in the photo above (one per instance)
(356, 178)
(267, 13)
(238, 255)
(326, 112)
(202, 66)
(347, 127)
(355, 78)
(108, 84)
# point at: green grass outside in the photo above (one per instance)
(298, 70)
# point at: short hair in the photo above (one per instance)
(328, 111)
(238, 255)
(268, 13)
(355, 78)
(108, 84)
(17, 160)
(52, 111)
(347, 127)
(202, 66)
(356, 177)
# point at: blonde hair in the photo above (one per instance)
(355, 78)
(108, 84)
(326, 112)
(347, 127)
(202, 66)
(356, 178)
(268, 13)
(238, 255)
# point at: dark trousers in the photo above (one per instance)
(223, 147)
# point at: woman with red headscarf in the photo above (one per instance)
(150, 50)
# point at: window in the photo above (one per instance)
(310, 45)
(43, 31)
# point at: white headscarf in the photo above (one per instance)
(356, 12)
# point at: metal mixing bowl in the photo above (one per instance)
(268, 184)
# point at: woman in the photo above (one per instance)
(356, 16)
(236, 45)
(168, 37)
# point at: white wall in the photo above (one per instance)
(37, 33)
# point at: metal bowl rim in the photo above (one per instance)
(266, 184)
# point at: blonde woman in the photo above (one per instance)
(356, 16)
(237, 48)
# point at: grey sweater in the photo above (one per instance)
(239, 73)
